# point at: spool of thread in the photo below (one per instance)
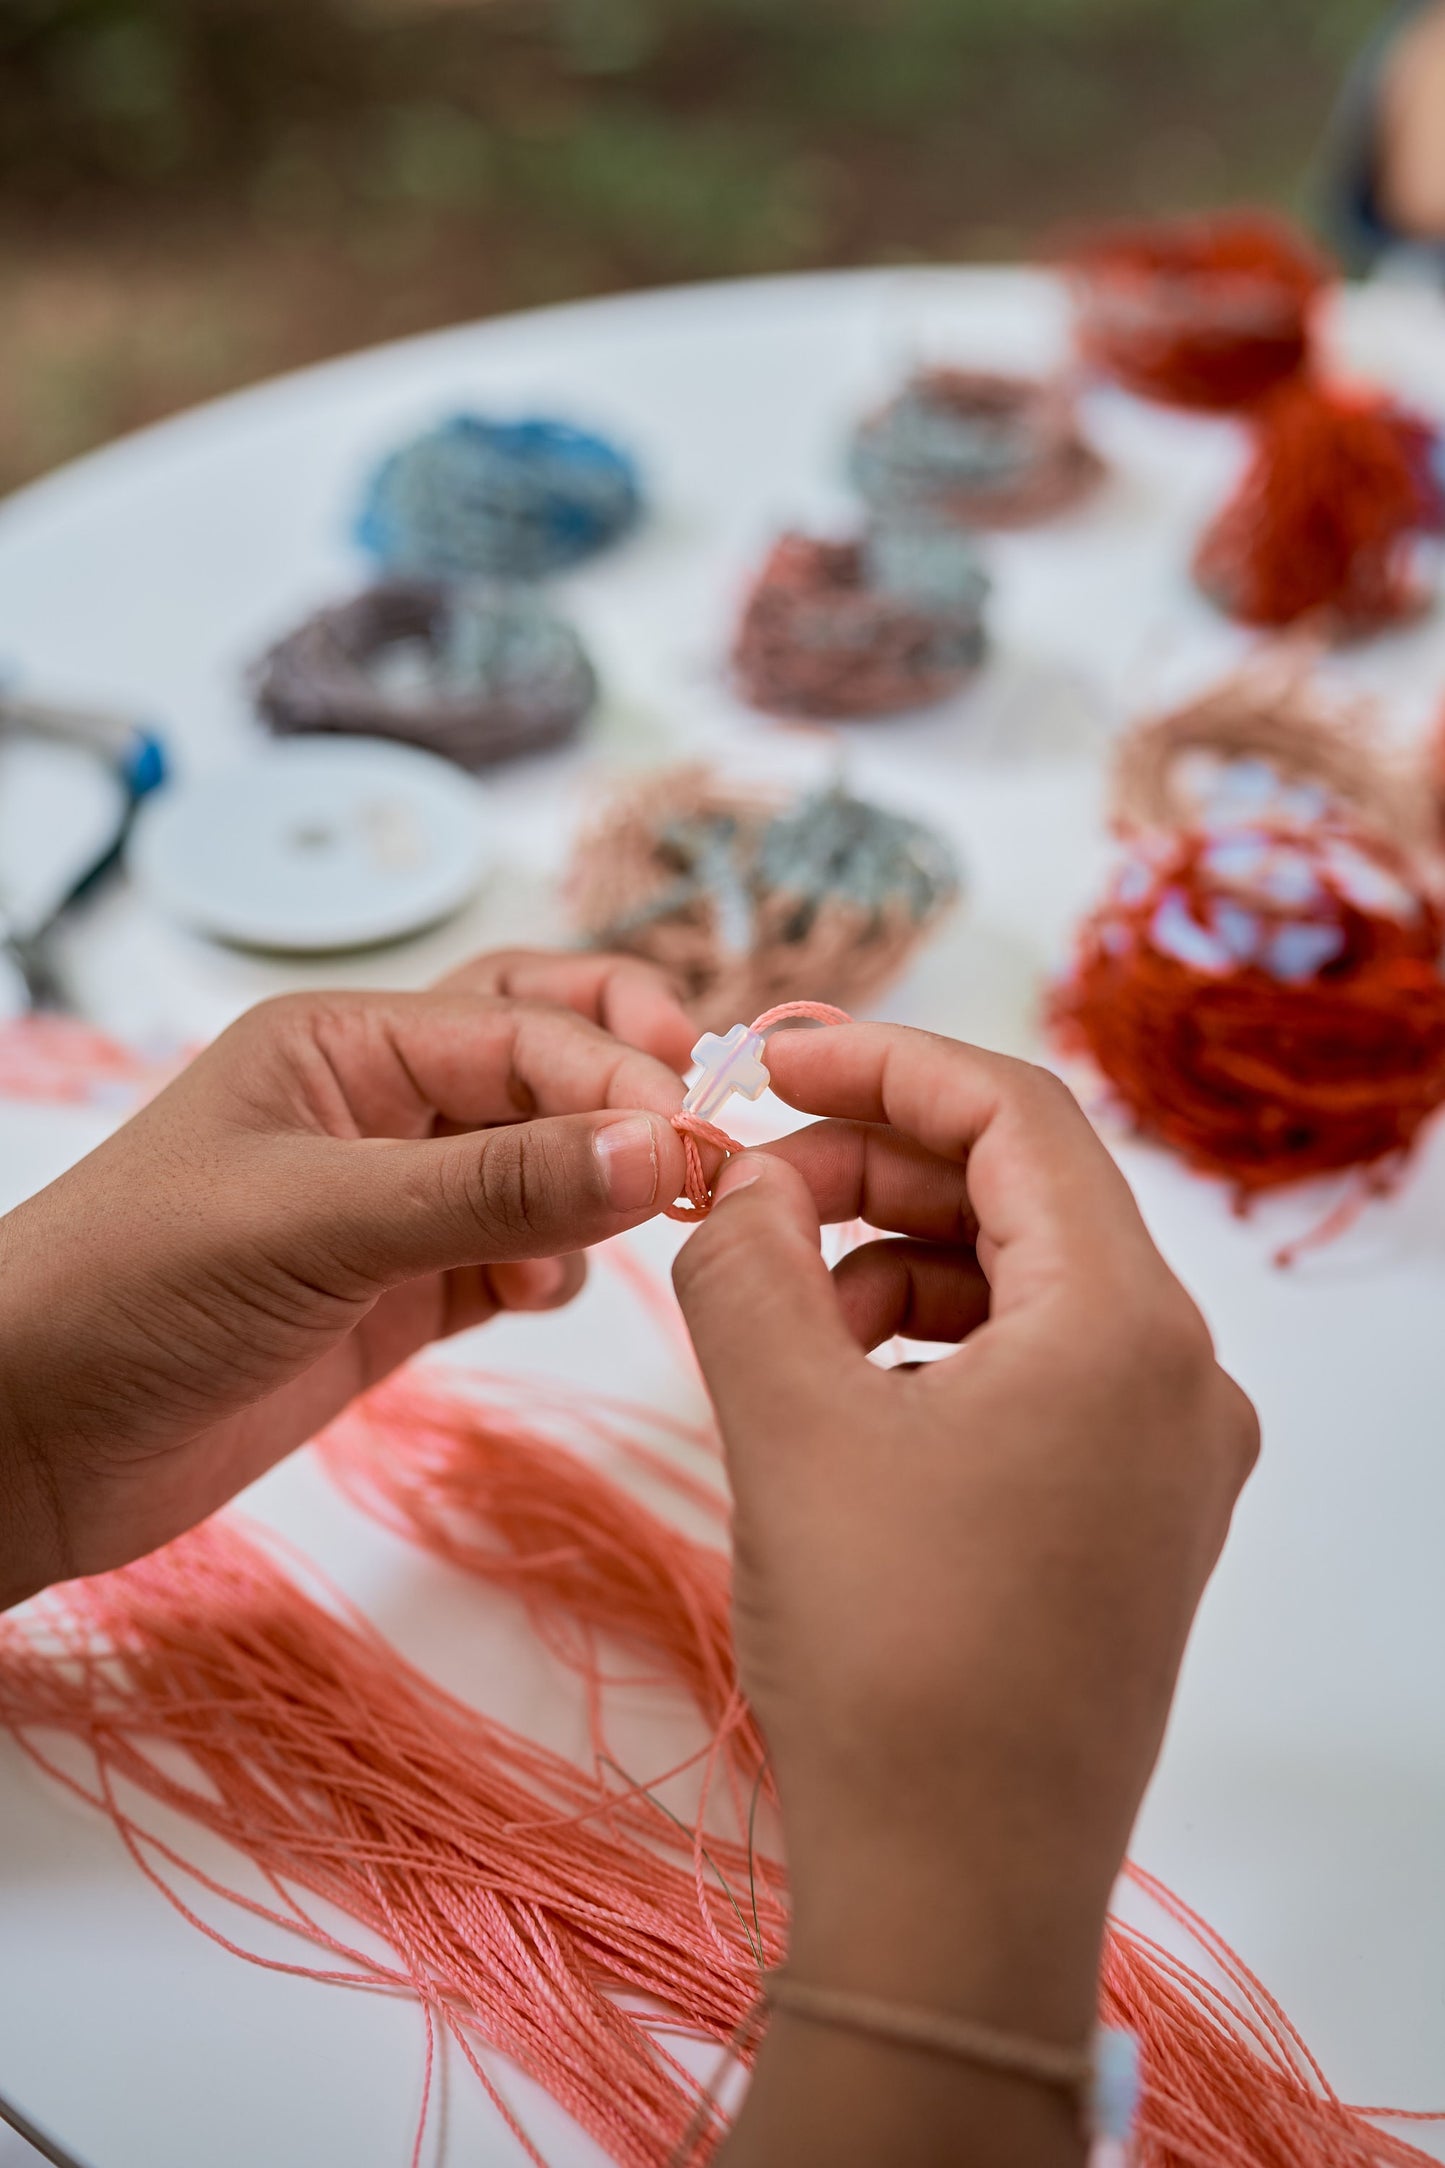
(974, 448)
(1268, 1004)
(1322, 523)
(749, 899)
(1197, 312)
(1263, 747)
(476, 675)
(476, 498)
(848, 630)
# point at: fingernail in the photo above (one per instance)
(737, 1174)
(539, 1277)
(627, 1154)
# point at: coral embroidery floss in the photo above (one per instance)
(513, 1897)
(1269, 1003)
(1227, 2080)
(1201, 312)
(57, 1060)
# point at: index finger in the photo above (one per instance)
(1048, 1198)
(415, 1065)
(632, 999)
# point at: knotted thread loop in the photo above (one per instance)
(695, 1132)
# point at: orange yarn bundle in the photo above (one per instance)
(1322, 521)
(1198, 312)
(1268, 1003)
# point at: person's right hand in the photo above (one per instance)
(963, 1590)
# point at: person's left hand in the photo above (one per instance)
(338, 1180)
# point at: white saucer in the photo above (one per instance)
(318, 843)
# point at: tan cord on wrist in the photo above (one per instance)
(1069, 2070)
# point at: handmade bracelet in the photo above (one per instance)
(1068, 2070)
(1101, 2079)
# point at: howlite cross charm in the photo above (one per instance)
(730, 1063)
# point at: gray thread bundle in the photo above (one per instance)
(747, 898)
(974, 447)
(477, 676)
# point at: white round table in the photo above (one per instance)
(1301, 1798)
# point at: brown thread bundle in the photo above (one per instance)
(478, 676)
(976, 448)
(748, 898)
(838, 631)
(1264, 741)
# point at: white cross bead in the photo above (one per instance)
(732, 1063)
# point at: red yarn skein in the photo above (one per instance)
(1200, 312)
(1323, 517)
(1260, 1078)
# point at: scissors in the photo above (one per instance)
(136, 757)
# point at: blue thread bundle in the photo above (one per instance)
(475, 498)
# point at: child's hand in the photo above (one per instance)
(338, 1180)
(962, 1590)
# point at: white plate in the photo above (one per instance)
(326, 843)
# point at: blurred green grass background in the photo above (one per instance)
(194, 193)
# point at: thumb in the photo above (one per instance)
(542, 1188)
(759, 1302)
